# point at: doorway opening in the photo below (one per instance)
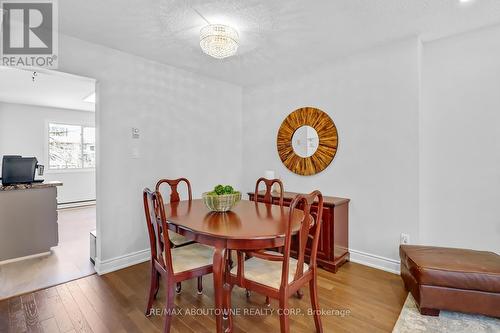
(50, 116)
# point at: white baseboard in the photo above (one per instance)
(114, 264)
(8, 261)
(375, 261)
(134, 258)
(78, 204)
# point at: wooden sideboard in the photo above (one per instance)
(333, 248)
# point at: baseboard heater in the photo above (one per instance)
(73, 204)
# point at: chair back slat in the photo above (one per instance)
(309, 221)
(303, 237)
(268, 198)
(156, 221)
(173, 183)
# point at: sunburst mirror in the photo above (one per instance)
(307, 141)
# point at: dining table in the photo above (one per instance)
(249, 225)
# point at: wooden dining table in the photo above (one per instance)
(248, 226)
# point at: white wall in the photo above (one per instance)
(373, 98)
(23, 131)
(460, 203)
(190, 126)
(388, 121)
(419, 150)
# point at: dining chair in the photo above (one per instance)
(174, 264)
(177, 240)
(268, 198)
(278, 275)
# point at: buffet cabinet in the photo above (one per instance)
(333, 247)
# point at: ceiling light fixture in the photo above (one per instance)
(219, 41)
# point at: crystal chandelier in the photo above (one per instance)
(219, 41)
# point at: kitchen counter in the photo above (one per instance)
(28, 220)
(29, 186)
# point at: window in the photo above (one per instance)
(71, 146)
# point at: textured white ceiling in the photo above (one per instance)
(278, 37)
(51, 89)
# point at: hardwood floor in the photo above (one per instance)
(67, 261)
(358, 299)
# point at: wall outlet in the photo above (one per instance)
(404, 239)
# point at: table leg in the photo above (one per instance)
(218, 287)
(227, 305)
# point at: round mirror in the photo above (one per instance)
(305, 141)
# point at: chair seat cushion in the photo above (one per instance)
(177, 239)
(452, 268)
(267, 272)
(190, 257)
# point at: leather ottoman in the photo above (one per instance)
(451, 279)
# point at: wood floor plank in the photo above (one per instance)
(189, 300)
(74, 312)
(124, 308)
(44, 310)
(31, 313)
(365, 300)
(143, 322)
(103, 286)
(107, 310)
(55, 305)
(17, 320)
(86, 309)
(136, 282)
(4, 317)
(50, 326)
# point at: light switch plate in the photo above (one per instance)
(135, 153)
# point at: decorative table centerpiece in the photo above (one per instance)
(222, 198)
